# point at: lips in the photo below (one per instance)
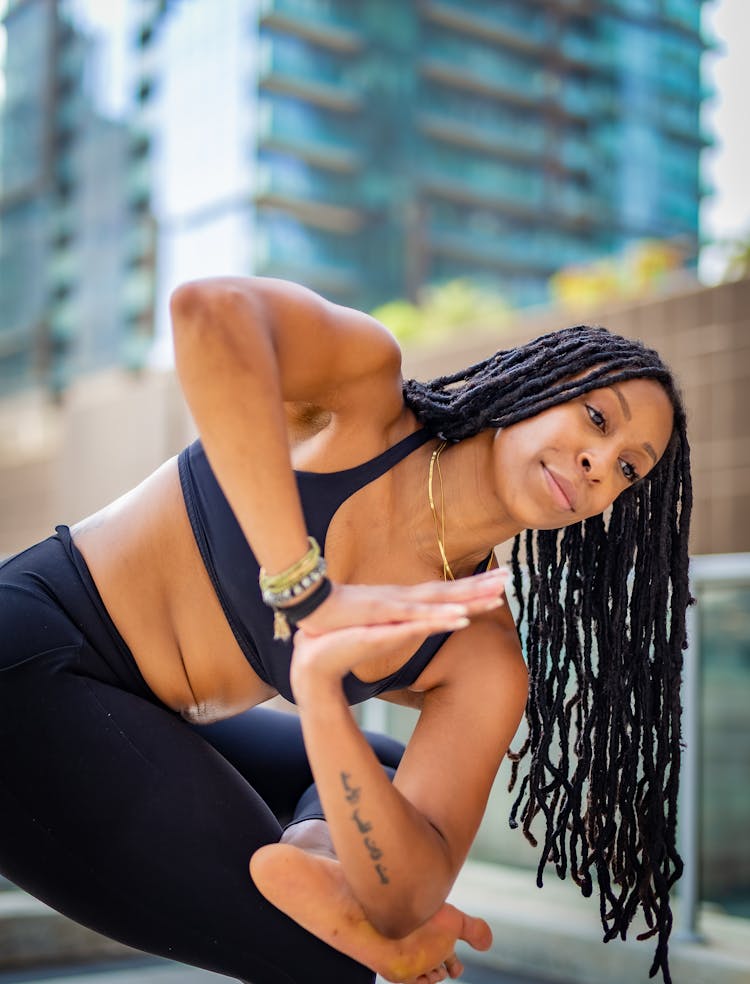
(562, 490)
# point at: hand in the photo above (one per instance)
(362, 621)
(365, 604)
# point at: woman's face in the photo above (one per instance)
(573, 460)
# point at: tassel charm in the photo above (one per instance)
(281, 628)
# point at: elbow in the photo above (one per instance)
(188, 304)
(396, 922)
(218, 301)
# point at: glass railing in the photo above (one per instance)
(490, 133)
(686, 13)
(577, 155)
(306, 68)
(714, 814)
(497, 183)
(574, 202)
(590, 51)
(520, 248)
(586, 101)
(486, 67)
(681, 117)
(517, 21)
(287, 125)
(317, 14)
(282, 180)
(285, 248)
(716, 795)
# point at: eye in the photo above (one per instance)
(597, 418)
(629, 471)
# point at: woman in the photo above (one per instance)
(136, 785)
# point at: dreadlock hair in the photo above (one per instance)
(604, 626)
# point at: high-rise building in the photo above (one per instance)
(497, 139)
(76, 237)
(363, 147)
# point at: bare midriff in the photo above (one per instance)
(149, 572)
(143, 557)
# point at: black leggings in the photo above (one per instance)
(118, 813)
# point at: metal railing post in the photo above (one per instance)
(689, 818)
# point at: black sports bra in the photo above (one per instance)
(233, 569)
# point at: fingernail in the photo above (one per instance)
(460, 623)
(495, 603)
(449, 610)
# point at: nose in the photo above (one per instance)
(593, 465)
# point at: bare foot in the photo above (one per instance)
(312, 890)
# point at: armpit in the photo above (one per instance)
(405, 698)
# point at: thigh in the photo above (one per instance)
(115, 812)
(267, 748)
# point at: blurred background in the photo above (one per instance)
(472, 171)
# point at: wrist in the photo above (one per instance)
(314, 685)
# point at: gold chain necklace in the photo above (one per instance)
(435, 460)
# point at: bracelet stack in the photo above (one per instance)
(297, 591)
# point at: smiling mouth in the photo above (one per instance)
(560, 489)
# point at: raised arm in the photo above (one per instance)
(243, 347)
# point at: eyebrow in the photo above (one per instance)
(627, 414)
(623, 402)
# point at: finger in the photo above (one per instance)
(465, 587)
(454, 966)
(406, 608)
(392, 632)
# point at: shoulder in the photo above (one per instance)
(484, 656)
(326, 352)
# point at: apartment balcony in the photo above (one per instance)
(578, 156)
(514, 27)
(284, 129)
(484, 186)
(333, 272)
(517, 254)
(586, 102)
(577, 207)
(500, 139)
(332, 27)
(488, 75)
(682, 122)
(305, 77)
(139, 178)
(590, 54)
(685, 84)
(315, 201)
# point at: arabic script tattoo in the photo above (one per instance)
(352, 795)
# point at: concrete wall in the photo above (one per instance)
(58, 464)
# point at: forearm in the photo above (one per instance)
(230, 376)
(394, 860)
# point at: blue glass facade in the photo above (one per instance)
(362, 147)
(497, 140)
(76, 239)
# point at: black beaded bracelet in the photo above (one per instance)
(291, 614)
(301, 609)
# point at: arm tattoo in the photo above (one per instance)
(351, 794)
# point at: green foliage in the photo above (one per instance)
(738, 260)
(444, 310)
(634, 273)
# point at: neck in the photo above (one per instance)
(475, 519)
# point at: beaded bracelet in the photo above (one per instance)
(280, 587)
(291, 614)
(281, 591)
